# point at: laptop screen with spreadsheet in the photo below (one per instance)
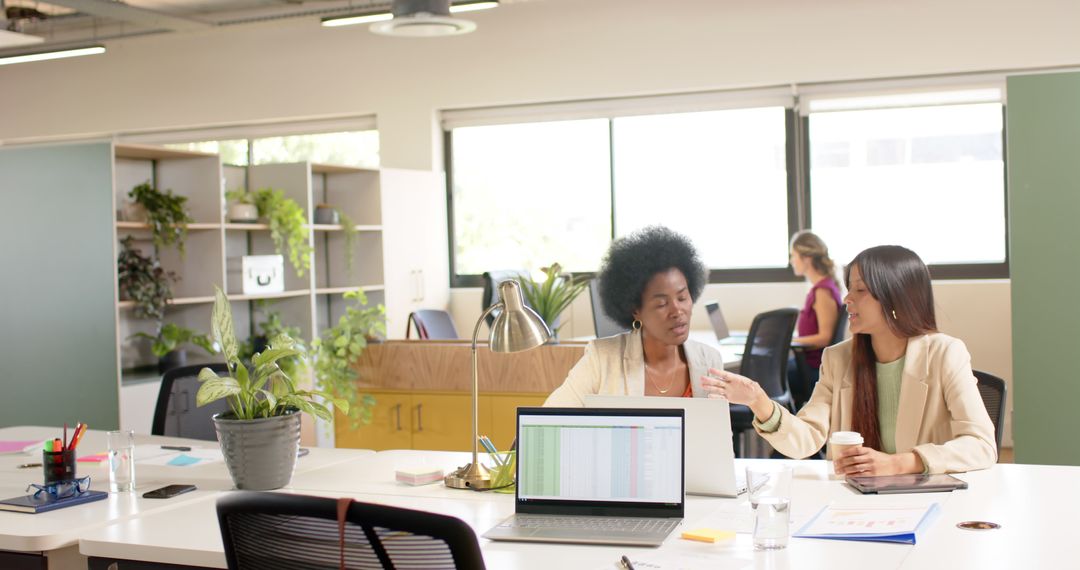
(618, 462)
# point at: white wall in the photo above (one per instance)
(547, 50)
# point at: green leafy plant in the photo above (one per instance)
(274, 327)
(287, 221)
(349, 228)
(171, 336)
(143, 280)
(240, 196)
(265, 390)
(550, 297)
(339, 347)
(165, 213)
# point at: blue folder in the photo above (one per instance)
(905, 537)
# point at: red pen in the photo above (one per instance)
(65, 434)
(80, 431)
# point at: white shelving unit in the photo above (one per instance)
(394, 261)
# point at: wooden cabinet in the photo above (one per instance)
(503, 410)
(423, 420)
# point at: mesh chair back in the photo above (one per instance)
(176, 413)
(992, 389)
(840, 330)
(605, 325)
(271, 531)
(765, 356)
(432, 324)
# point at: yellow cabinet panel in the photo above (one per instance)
(389, 427)
(443, 422)
(503, 410)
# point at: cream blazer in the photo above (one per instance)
(616, 366)
(940, 416)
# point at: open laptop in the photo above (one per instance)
(597, 476)
(720, 327)
(710, 459)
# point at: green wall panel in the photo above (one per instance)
(1044, 248)
(57, 342)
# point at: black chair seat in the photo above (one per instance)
(765, 360)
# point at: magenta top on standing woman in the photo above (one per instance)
(808, 324)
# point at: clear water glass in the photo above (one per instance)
(121, 461)
(771, 520)
(767, 481)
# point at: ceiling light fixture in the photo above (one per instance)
(55, 54)
(417, 18)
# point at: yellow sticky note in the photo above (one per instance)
(708, 535)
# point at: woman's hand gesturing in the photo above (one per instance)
(738, 390)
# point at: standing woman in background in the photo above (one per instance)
(817, 319)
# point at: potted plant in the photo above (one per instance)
(260, 435)
(550, 297)
(338, 348)
(326, 214)
(242, 208)
(168, 345)
(348, 227)
(165, 213)
(269, 329)
(143, 280)
(287, 226)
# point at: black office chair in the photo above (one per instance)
(765, 360)
(431, 324)
(605, 325)
(270, 531)
(802, 390)
(992, 389)
(176, 413)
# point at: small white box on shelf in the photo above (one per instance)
(254, 274)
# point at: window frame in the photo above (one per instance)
(800, 197)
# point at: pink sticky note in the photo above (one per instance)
(96, 458)
(13, 446)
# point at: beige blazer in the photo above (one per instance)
(940, 416)
(616, 365)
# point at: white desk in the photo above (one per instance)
(55, 530)
(1016, 496)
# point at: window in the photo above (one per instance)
(691, 171)
(350, 148)
(929, 178)
(527, 195)
(232, 151)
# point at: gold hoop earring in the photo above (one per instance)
(894, 314)
(636, 325)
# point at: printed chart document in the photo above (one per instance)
(874, 523)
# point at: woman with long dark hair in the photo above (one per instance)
(907, 388)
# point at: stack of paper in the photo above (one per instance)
(875, 523)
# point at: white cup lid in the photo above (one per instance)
(846, 438)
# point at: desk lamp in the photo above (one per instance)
(515, 329)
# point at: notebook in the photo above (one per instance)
(710, 459)
(597, 476)
(43, 502)
(720, 327)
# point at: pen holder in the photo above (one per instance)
(59, 466)
(503, 477)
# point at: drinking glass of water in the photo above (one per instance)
(121, 461)
(771, 521)
(765, 480)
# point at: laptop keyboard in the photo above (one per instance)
(604, 524)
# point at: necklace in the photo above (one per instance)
(670, 378)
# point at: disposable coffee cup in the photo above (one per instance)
(840, 441)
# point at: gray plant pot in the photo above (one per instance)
(259, 453)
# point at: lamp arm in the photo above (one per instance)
(476, 382)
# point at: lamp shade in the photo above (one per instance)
(517, 327)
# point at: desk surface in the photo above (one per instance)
(63, 527)
(1024, 499)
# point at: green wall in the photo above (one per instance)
(1044, 250)
(58, 332)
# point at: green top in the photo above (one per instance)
(888, 401)
(888, 379)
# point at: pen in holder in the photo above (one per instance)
(59, 466)
(503, 475)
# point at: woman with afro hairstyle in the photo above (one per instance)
(649, 281)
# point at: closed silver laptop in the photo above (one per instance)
(597, 476)
(720, 326)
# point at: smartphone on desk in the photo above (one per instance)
(168, 491)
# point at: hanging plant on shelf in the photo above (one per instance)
(349, 228)
(338, 348)
(272, 327)
(287, 226)
(166, 214)
(143, 280)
